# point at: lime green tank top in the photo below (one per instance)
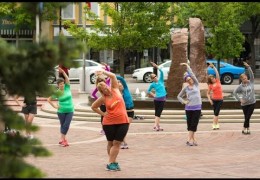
(65, 100)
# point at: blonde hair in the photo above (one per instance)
(241, 75)
(99, 86)
(100, 79)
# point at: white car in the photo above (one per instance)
(143, 74)
(90, 67)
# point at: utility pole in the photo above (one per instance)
(60, 21)
(84, 54)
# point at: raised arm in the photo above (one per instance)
(251, 74)
(123, 82)
(112, 76)
(106, 66)
(65, 75)
(191, 73)
(161, 72)
(215, 69)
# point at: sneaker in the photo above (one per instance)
(214, 127)
(244, 132)
(248, 131)
(117, 166)
(160, 129)
(64, 143)
(156, 128)
(124, 146)
(189, 144)
(195, 143)
(217, 126)
(112, 167)
(102, 132)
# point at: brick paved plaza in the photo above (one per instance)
(224, 153)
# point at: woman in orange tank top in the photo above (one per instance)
(115, 122)
(215, 95)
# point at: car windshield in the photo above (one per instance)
(166, 64)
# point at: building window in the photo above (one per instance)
(95, 8)
(69, 12)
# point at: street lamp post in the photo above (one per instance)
(84, 55)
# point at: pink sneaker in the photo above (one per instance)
(64, 143)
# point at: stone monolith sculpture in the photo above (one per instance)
(197, 55)
(175, 77)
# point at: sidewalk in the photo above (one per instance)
(224, 153)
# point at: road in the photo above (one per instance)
(133, 85)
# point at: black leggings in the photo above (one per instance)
(158, 105)
(193, 117)
(248, 111)
(216, 106)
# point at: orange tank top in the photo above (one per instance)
(116, 110)
(217, 93)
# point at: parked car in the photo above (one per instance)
(143, 74)
(228, 72)
(91, 67)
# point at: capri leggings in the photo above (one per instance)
(193, 117)
(158, 105)
(216, 106)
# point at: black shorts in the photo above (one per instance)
(116, 132)
(29, 109)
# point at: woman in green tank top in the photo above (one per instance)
(65, 106)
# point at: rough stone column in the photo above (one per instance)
(197, 49)
(175, 77)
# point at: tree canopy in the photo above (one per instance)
(135, 26)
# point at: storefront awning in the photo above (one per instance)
(7, 27)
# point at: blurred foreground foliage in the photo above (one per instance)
(23, 71)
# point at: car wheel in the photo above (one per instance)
(92, 78)
(147, 77)
(51, 78)
(227, 79)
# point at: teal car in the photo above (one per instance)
(228, 72)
